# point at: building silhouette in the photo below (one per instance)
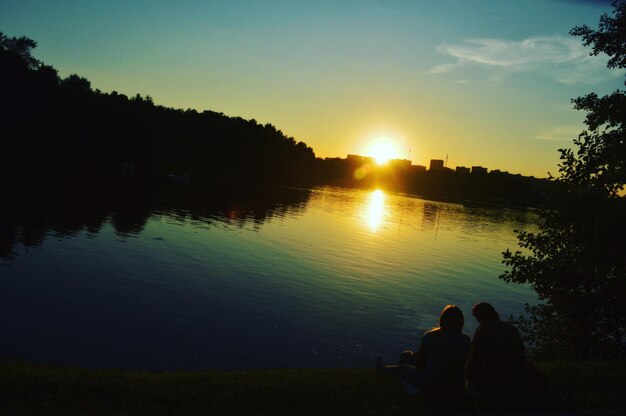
(478, 170)
(436, 164)
(401, 164)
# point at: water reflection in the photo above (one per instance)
(430, 218)
(376, 209)
(33, 215)
(203, 273)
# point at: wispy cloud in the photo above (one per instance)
(442, 69)
(560, 134)
(564, 59)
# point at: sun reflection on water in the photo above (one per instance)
(376, 209)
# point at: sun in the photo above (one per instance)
(382, 149)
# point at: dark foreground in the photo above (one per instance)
(45, 390)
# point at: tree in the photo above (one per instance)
(22, 47)
(576, 262)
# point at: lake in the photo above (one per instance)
(233, 276)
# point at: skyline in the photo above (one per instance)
(488, 84)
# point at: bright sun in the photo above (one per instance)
(382, 149)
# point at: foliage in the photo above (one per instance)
(576, 262)
(21, 47)
(63, 128)
(594, 384)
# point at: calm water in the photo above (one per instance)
(244, 277)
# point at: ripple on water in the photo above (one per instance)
(331, 278)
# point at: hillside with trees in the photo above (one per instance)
(62, 127)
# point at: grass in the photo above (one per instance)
(598, 385)
(32, 389)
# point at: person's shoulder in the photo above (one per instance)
(500, 325)
(502, 329)
(439, 333)
(512, 330)
(459, 338)
(430, 337)
(433, 332)
(510, 326)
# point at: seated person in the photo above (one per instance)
(439, 363)
(496, 360)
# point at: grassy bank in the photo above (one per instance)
(36, 389)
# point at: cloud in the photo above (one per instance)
(442, 69)
(564, 59)
(560, 134)
(516, 54)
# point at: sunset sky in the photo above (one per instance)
(487, 82)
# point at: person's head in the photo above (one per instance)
(451, 319)
(484, 312)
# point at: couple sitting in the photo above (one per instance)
(494, 360)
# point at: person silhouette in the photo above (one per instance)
(497, 358)
(439, 363)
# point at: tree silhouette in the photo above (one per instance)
(62, 130)
(577, 261)
(21, 47)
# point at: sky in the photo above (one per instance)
(484, 83)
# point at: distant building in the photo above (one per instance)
(498, 172)
(436, 164)
(417, 168)
(358, 159)
(478, 170)
(400, 164)
(462, 170)
(369, 160)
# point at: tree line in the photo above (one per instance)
(62, 127)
